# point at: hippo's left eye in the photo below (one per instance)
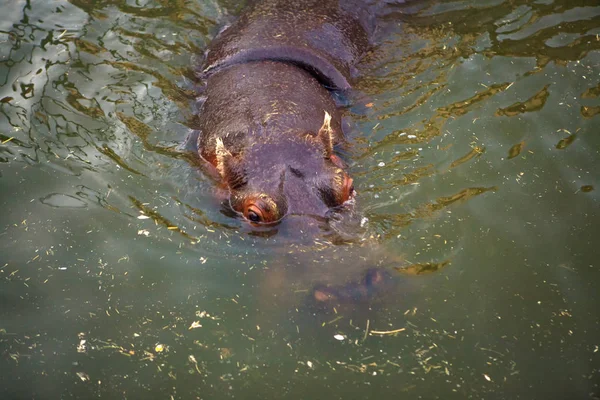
(347, 188)
(254, 214)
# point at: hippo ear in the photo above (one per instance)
(228, 166)
(325, 136)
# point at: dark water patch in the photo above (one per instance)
(534, 103)
(590, 112)
(515, 150)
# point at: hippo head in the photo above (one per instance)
(285, 175)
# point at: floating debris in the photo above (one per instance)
(225, 353)
(81, 347)
(204, 314)
(192, 359)
(83, 376)
(195, 324)
(387, 332)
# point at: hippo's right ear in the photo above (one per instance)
(229, 167)
(325, 136)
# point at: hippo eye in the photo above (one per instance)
(254, 214)
(340, 191)
(347, 188)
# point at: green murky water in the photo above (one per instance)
(474, 144)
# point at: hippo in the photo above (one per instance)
(269, 124)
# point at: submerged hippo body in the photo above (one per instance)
(269, 122)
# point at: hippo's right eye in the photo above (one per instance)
(259, 209)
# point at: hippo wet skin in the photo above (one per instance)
(269, 123)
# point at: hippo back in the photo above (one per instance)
(324, 37)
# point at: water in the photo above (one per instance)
(473, 143)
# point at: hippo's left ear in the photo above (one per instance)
(228, 166)
(325, 136)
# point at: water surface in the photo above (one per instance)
(473, 144)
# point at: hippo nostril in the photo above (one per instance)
(296, 172)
